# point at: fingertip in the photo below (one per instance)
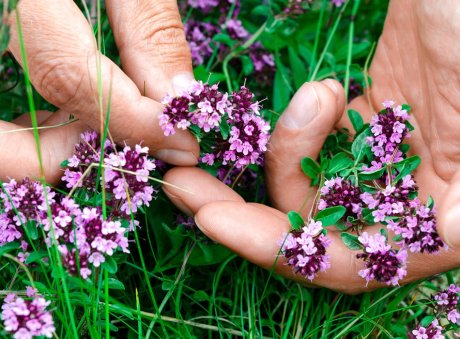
(191, 188)
(339, 91)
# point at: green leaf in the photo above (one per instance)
(407, 166)
(247, 65)
(65, 163)
(406, 107)
(359, 145)
(356, 120)
(339, 162)
(4, 37)
(409, 126)
(426, 321)
(296, 220)
(430, 202)
(31, 229)
(224, 128)
(36, 256)
(110, 265)
(224, 39)
(341, 226)
(203, 75)
(371, 175)
(200, 296)
(330, 215)
(281, 88)
(115, 284)
(351, 241)
(384, 233)
(397, 238)
(310, 167)
(8, 247)
(298, 69)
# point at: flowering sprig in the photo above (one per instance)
(445, 317)
(27, 318)
(369, 180)
(231, 123)
(305, 250)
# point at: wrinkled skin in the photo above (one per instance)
(63, 59)
(416, 62)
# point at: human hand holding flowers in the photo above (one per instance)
(65, 66)
(253, 231)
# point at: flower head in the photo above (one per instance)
(382, 263)
(305, 250)
(27, 318)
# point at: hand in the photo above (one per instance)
(415, 58)
(63, 62)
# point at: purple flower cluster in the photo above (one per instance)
(126, 172)
(83, 236)
(305, 250)
(23, 202)
(207, 6)
(264, 64)
(355, 89)
(93, 238)
(131, 188)
(382, 263)
(433, 331)
(413, 222)
(87, 152)
(205, 106)
(24, 318)
(200, 36)
(388, 131)
(297, 7)
(446, 303)
(339, 192)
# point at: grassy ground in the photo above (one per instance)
(175, 283)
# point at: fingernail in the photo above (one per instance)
(182, 82)
(303, 107)
(203, 229)
(452, 229)
(332, 85)
(181, 158)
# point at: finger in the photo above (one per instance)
(25, 119)
(301, 132)
(65, 68)
(19, 151)
(255, 234)
(196, 188)
(152, 45)
(449, 214)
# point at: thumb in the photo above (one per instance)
(449, 214)
(153, 49)
(300, 132)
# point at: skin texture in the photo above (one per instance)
(416, 62)
(63, 62)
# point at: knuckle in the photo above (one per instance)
(59, 82)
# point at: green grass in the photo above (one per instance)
(176, 284)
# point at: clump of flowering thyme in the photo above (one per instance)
(445, 317)
(368, 181)
(232, 131)
(219, 31)
(25, 318)
(85, 231)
